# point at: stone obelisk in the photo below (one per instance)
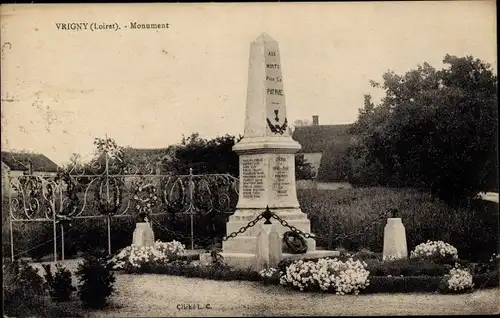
(266, 156)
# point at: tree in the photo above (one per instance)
(303, 169)
(433, 129)
(206, 156)
(217, 156)
(302, 122)
(334, 164)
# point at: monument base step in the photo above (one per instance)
(247, 260)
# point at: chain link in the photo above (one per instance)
(242, 229)
(293, 228)
(340, 237)
(252, 223)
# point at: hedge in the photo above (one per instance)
(472, 229)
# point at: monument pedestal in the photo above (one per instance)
(266, 160)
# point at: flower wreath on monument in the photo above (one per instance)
(145, 198)
(294, 243)
(106, 204)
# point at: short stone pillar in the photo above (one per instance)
(394, 240)
(262, 247)
(275, 252)
(143, 234)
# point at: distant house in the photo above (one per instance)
(315, 139)
(17, 164)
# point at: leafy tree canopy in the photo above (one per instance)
(433, 129)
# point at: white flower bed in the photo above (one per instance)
(139, 256)
(328, 274)
(459, 279)
(268, 273)
(170, 249)
(434, 249)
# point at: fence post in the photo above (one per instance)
(108, 221)
(55, 229)
(61, 207)
(191, 209)
(158, 192)
(11, 239)
(10, 216)
(62, 242)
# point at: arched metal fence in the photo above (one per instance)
(107, 189)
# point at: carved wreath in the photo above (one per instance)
(277, 129)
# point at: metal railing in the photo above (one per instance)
(107, 188)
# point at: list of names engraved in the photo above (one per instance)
(253, 177)
(281, 173)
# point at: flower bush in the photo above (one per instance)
(435, 250)
(171, 249)
(268, 273)
(138, 257)
(145, 255)
(328, 275)
(271, 276)
(458, 280)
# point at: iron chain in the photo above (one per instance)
(316, 237)
(243, 228)
(252, 223)
(293, 228)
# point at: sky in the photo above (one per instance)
(146, 88)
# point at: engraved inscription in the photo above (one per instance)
(273, 66)
(253, 177)
(275, 91)
(281, 174)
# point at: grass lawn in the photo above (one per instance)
(160, 295)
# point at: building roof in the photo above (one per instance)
(20, 162)
(317, 138)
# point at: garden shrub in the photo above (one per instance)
(403, 284)
(472, 229)
(23, 290)
(406, 267)
(486, 280)
(60, 285)
(95, 280)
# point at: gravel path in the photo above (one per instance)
(170, 296)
